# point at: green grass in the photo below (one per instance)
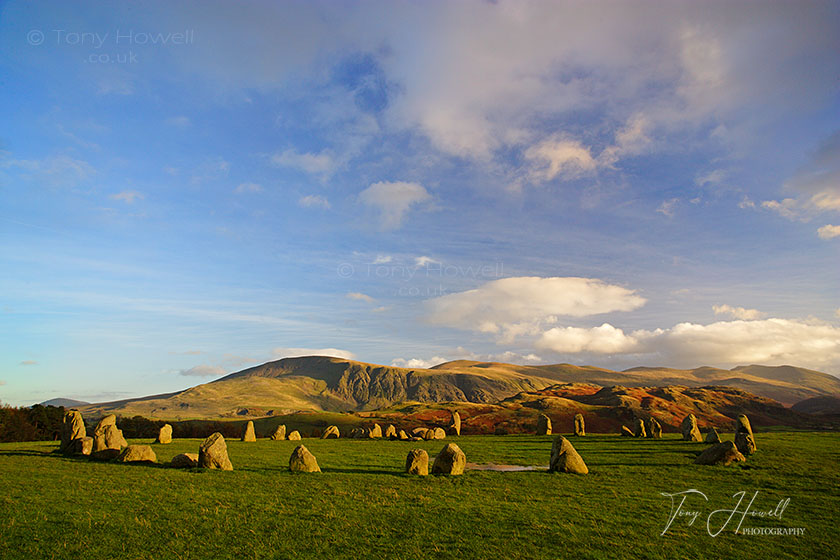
(362, 506)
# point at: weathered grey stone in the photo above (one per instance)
(724, 453)
(689, 429)
(212, 453)
(72, 429)
(543, 425)
(712, 436)
(106, 435)
(580, 426)
(331, 433)
(303, 461)
(137, 454)
(627, 432)
(279, 433)
(640, 428)
(248, 434)
(564, 458)
(450, 460)
(654, 428)
(294, 436)
(744, 438)
(184, 461)
(417, 462)
(165, 434)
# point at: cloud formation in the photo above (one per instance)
(393, 200)
(322, 163)
(737, 312)
(129, 197)
(360, 297)
(299, 352)
(243, 188)
(314, 201)
(202, 370)
(828, 231)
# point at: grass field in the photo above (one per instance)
(362, 506)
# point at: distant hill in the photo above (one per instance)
(825, 405)
(321, 383)
(66, 403)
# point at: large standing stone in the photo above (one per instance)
(564, 458)
(82, 446)
(249, 434)
(580, 426)
(689, 429)
(455, 427)
(417, 462)
(72, 429)
(331, 433)
(184, 461)
(712, 436)
(137, 454)
(165, 434)
(744, 438)
(375, 431)
(391, 432)
(543, 425)
(627, 432)
(279, 433)
(107, 437)
(294, 436)
(303, 461)
(640, 428)
(654, 428)
(723, 453)
(212, 453)
(450, 460)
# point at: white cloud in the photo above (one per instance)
(563, 158)
(360, 297)
(179, 121)
(383, 259)
(423, 260)
(129, 197)
(393, 200)
(667, 207)
(202, 371)
(299, 352)
(56, 171)
(605, 339)
(828, 231)
(787, 208)
(464, 354)
(711, 178)
(417, 363)
(243, 188)
(322, 163)
(314, 201)
(516, 306)
(737, 312)
(380, 309)
(746, 203)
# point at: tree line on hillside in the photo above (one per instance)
(35, 423)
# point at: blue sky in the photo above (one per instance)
(190, 189)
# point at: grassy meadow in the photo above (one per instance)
(362, 506)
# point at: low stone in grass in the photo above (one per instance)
(564, 458)
(137, 454)
(439, 433)
(184, 461)
(543, 425)
(164, 434)
(640, 428)
(744, 438)
(712, 436)
(450, 460)
(580, 426)
(331, 433)
(402, 435)
(417, 462)
(303, 461)
(294, 436)
(654, 428)
(724, 453)
(249, 434)
(627, 432)
(212, 453)
(689, 429)
(419, 432)
(279, 433)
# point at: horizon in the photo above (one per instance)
(189, 190)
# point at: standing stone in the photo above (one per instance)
(212, 453)
(724, 453)
(744, 438)
(72, 429)
(455, 427)
(294, 436)
(82, 446)
(450, 460)
(165, 434)
(375, 431)
(543, 425)
(391, 431)
(279, 433)
(626, 432)
(137, 454)
(564, 458)
(689, 429)
(402, 435)
(108, 438)
(429, 434)
(249, 434)
(303, 461)
(417, 462)
(331, 433)
(654, 428)
(580, 427)
(439, 433)
(184, 461)
(712, 436)
(640, 428)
